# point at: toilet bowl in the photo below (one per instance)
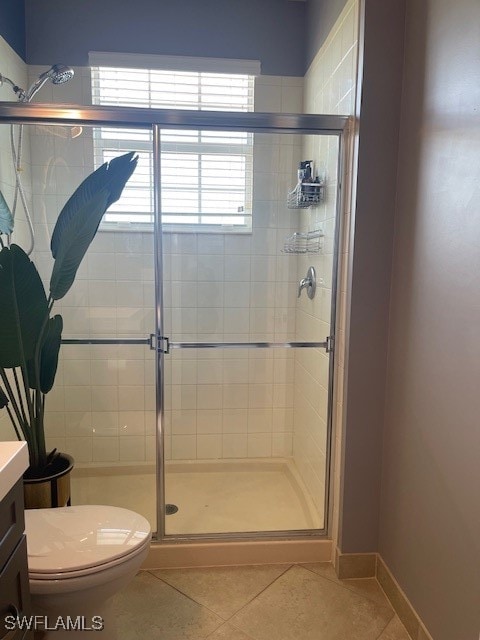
(78, 558)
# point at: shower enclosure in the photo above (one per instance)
(196, 376)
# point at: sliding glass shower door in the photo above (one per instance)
(248, 263)
(102, 408)
(195, 377)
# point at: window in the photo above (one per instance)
(206, 176)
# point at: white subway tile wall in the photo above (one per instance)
(330, 87)
(219, 404)
(13, 67)
(217, 287)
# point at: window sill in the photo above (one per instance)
(116, 227)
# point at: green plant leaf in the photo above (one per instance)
(6, 218)
(23, 307)
(3, 399)
(48, 356)
(76, 239)
(50, 351)
(78, 221)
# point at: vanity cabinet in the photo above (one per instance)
(14, 587)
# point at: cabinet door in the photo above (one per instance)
(12, 522)
(14, 592)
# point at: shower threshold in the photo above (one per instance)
(212, 496)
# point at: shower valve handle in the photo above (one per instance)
(309, 283)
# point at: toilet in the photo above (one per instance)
(78, 558)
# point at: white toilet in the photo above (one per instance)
(78, 558)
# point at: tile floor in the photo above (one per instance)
(273, 602)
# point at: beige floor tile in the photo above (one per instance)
(395, 631)
(149, 609)
(324, 569)
(223, 590)
(367, 587)
(301, 605)
(227, 632)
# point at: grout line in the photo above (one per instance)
(264, 589)
(182, 593)
(202, 606)
(340, 582)
(231, 625)
(384, 629)
(389, 623)
(207, 607)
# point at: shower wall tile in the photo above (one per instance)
(217, 287)
(132, 448)
(235, 371)
(260, 420)
(330, 87)
(282, 420)
(106, 449)
(131, 423)
(77, 423)
(184, 447)
(150, 447)
(209, 421)
(104, 423)
(282, 445)
(81, 448)
(56, 425)
(234, 421)
(235, 445)
(209, 447)
(259, 445)
(13, 67)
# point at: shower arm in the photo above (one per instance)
(16, 89)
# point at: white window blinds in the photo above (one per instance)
(206, 176)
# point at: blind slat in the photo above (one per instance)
(205, 173)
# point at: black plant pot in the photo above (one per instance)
(52, 490)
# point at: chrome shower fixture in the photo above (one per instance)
(16, 89)
(58, 74)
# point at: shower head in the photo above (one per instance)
(58, 74)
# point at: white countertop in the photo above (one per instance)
(13, 464)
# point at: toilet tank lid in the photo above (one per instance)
(75, 538)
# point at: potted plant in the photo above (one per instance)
(30, 336)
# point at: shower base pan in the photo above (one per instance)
(238, 496)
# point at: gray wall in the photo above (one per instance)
(371, 259)
(430, 513)
(271, 31)
(320, 18)
(12, 24)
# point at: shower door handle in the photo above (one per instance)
(160, 343)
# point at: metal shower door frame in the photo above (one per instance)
(156, 120)
(163, 345)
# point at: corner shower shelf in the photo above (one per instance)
(305, 194)
(309, 242)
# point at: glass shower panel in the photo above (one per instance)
(102, 408)
(246, 415)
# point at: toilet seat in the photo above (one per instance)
(70, 542)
